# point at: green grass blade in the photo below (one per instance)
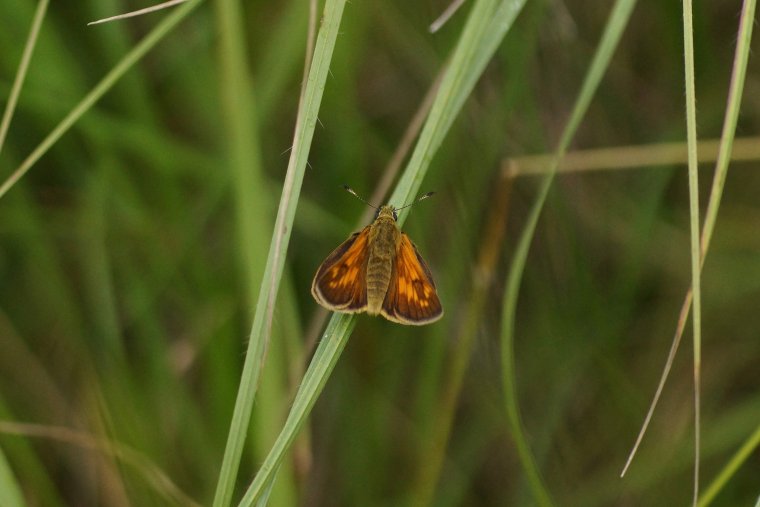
(325, 357)
(738, 77)
(23, 66)
(243, 141)
(456, 85)
(10, 491)
(744, 452)
(253, 215)
(725, 146)
(105, 84)
(614, 28)
(691, 137)
(305, 124)
(487, 25)
(497, 26)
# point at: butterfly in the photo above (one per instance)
(378, 270)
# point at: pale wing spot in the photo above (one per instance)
(342, 276)
(349, 277)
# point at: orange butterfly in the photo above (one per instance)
(378, 270)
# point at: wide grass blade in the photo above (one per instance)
(253, 210)
(487, 25)
(10, 491)
(257, 345)
(617, 22)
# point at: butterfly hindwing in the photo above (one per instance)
(411, 297)
(340, 282)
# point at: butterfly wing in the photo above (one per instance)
(411, 297)
(340, 283)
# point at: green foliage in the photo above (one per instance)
(157, 334)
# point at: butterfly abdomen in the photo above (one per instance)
(384, 239)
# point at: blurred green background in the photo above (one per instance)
(131, 256)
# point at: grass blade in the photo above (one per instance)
(617, 158)
(10, 492)
(253, 211)
(691, 136)
(23, 66)
(738, 77)
(614, 28)
(140, 12)
(105, 84)
(725, 150)
(744, 452)
(257, 345)
(326, 356)
(456, 85)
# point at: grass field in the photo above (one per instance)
(170, 183)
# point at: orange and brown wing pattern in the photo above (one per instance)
(411, 297)
(340, 283)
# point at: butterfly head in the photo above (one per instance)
(387, 211)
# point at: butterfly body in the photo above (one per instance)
(379, 271)
(384, 239)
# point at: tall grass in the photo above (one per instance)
(154, 295)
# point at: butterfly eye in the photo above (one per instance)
(377, 213)
(395, 216)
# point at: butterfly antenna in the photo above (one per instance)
(352, 192)
(420, 198)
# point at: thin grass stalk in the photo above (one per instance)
(736, 90)
(139, 12)
(728, 471)
(325, 357)
(691, 137)
(616, 158)
(725, 154)
(23, 66)
(255, 355)
(151, 473)
(105, 84)
(614, 28)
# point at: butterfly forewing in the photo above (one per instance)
(340, 282)
(411, 296)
